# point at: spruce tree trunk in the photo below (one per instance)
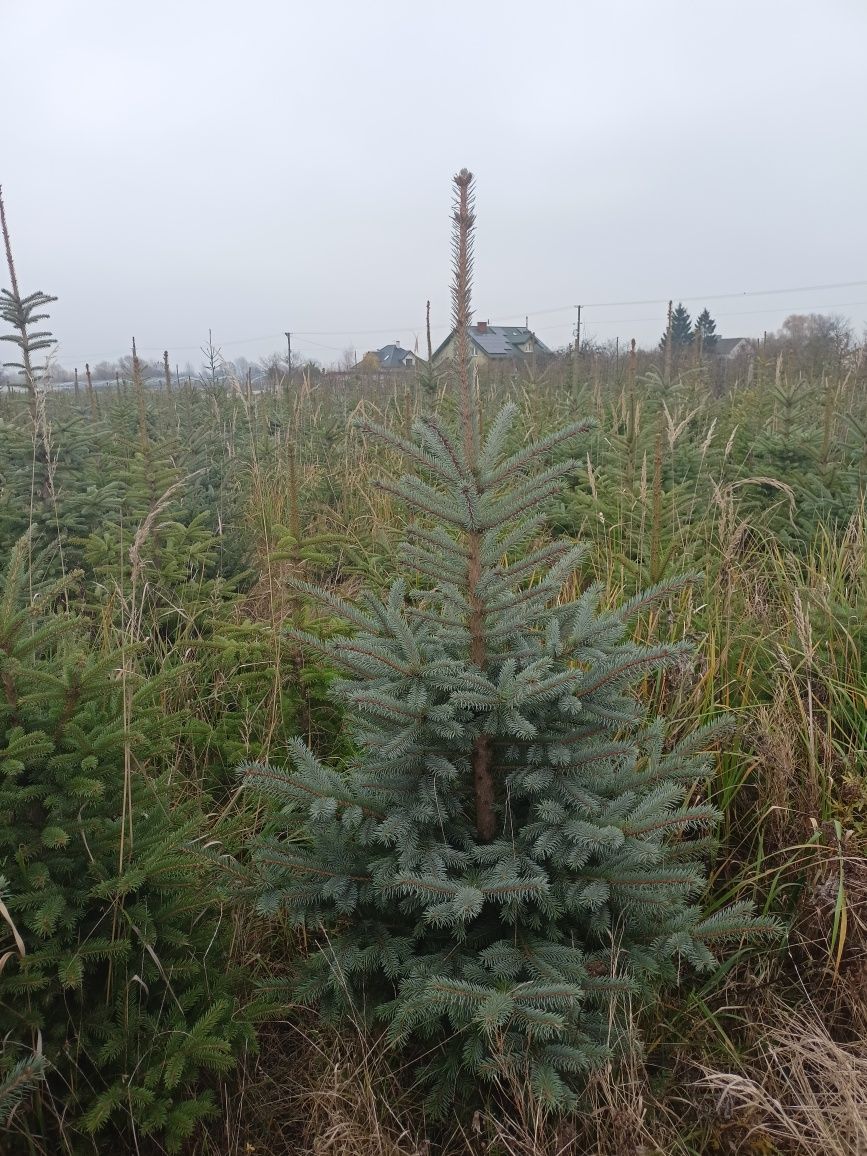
(483, 754)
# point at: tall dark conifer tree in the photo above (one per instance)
(681, 329)
(705, 329)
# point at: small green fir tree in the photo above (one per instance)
(514, 846)
(121, 984)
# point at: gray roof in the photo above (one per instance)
(393, 356)
(725, 346)
(493, 343)
(504, 340)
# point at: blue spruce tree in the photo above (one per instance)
(512, 849)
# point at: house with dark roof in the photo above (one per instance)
(392, 356)
(731, 348)
(495, 343)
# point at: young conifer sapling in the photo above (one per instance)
(513, 848)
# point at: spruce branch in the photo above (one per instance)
(21, 313)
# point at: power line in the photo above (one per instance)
(599, 305)
(736, 313)
(348, 333)
(696, 297)
(584, 305)
(724, 296)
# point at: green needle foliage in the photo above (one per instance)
(514, 849)
(124, 984)
(19, 1079)
(18, 1083)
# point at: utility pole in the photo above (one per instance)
(289, 363)
(575, 349)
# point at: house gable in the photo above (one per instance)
(731, 347)
(496, 343)
(392, 356)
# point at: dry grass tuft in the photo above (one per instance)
(314, 1092)
(353, 1103)
(620, 1117)
(801, 1089)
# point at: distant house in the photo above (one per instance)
(495, 343)
(731, 348)
(390, 357)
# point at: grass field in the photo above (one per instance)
(166, 525)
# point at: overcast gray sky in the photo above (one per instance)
(262, 165)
